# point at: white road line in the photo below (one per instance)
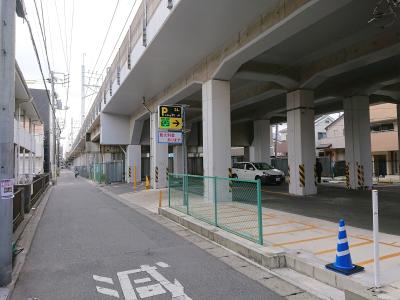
(175, 289)
(108, 292)
(126, 285)
(162, 264)
(142, 280)
(103, 279)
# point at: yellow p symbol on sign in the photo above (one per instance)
(164, 110)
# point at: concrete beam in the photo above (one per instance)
(268, 73)
(355, 56)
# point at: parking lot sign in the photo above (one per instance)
(170, 117)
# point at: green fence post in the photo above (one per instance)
(215, 202)
(260, 223)
(169, 190)
(187, 193)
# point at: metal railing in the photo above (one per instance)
(38, 187)
(18, 213)
(228, 203)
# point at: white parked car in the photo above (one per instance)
(258, 170)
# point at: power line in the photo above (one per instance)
(105, 38)
(115, 45)
(50, 35)
(70, 59)
(41, 70)
(62, 40)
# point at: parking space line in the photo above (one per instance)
(389, 244)
(276, 193)
(289, 231)
(304, 240)
(245, 209)
(264, 226)
(370, 261)
(351, 246)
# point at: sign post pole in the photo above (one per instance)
(375, 222)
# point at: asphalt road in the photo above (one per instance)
(90, 246)
(333, 203)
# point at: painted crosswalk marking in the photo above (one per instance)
(104, 290)
(158, 284)
(108, 292)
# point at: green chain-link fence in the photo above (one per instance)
(229, 203)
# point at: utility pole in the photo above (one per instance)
(53, 136)
(7, 109)
(276, 141)
(83, 91)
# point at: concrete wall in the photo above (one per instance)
(114, 129)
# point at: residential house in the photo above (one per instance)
(384, 139)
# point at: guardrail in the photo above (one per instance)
(38, 187)
(228, 203)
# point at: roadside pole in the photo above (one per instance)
(53, 138)
(7, 109)
(375, 222)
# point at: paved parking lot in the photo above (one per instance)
(334, 202)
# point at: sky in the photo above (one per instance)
(72, 28)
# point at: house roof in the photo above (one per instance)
(335, 121)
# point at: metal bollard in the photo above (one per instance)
(160, 199)
(375, 221)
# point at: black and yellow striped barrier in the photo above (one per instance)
(302, 176)
(156, 174)
(359, 176)
(288, 171)
(167, 173)
(347, 174)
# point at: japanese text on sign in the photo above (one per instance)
(165, 137)
(7, 188)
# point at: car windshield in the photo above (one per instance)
(262, 166)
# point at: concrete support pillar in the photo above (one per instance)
(178, 160)
(216, 128)
(357, 135)
(398, 138)
(246, 153)
(133, 159)
(259, 150)
(23, 161)
(158, 156)
(301, 142)
(389, 163)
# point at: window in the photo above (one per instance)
(238, 166)
(262, 166)
(321, 135)
(382, 127)
(249, 167)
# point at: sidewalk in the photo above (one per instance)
(310, 240)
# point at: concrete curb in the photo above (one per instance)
(25, 239)
(273, 258)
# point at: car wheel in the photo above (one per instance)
(234, 176)
(257, 177)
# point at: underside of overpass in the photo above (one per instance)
(248, 67)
